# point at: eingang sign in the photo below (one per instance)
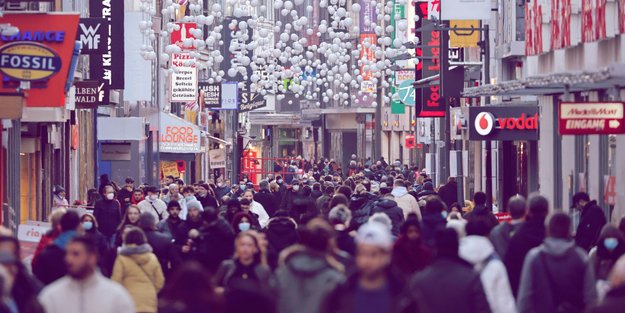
(591, 118)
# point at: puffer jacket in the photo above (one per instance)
(361, 209)
(138, 270)
(406, 202)
(479, 251)
(315, 277)
(394, 212)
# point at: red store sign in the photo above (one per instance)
(594, 118)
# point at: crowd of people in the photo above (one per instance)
(379, 239)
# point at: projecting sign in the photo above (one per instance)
(503, 123)
(464, 9)
(109, 67)
(592, 118)
(210, 94)
(94, 35)
(184, 81)
(229, 96)
(183, 37)
(87, 94)
(250, 100)
(217, 158)
(178, 135)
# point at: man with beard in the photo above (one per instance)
(170, 225)
(84, 289)
(188, 230)
(125, 195)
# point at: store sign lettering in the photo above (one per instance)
(27, 61)
(504, 123)
(177, 134)
(39, 36)
(592, 118)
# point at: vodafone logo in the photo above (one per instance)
(484, 123)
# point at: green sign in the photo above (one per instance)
(397, 107)
(406, 92)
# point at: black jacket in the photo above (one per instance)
(614, 301)
(449, 193)
(125, 198)
(429, 225)
(591, 222)
(343, 299)
(268, 200)
(530, 234)
(216, 244)
(109, 215)
(301, 206)
(361, 207)
(208, 201)
(395, 213)
(50, 264)
(449, 285)
(281, 232)
(482, 213)
(162, 247)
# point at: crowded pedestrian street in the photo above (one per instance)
(312, 156)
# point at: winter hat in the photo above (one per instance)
(194, 204)
(375, 187)
(58, 189)
(428, 186)
(375, 234)
(382, 219)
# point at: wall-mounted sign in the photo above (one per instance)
(465, 35)
(178, 135)
(210, 94)
(229, 96)
(184, 81)
(183, 37)
(217, 158)
(93, 33)
(592, 118)
(87, 94)
(406, 92)
(109, 67)
(411, 142)
(41, 53)
(250, 100)
(32, 231)
(116, 151)
(503, 123)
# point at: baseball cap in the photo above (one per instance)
(374, 234)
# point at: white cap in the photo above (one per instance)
(374, 234)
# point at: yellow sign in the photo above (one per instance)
(28, 61)
(170, 168)
(467, 36)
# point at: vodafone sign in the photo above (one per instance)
(594, 118)
(503, 123)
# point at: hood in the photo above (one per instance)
(387, 204)
(135, 250)
(306, 263)
(356, 202)
(480, 210)
(558, 247)
(399, 192)
(64, 238)
(475, 249)
(281, 225)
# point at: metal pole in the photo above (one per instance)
(378, 123)
(488, 146)
(235, 147)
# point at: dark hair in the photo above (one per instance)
(621, 226)
(329, 190)
(434, 205)
(88, 242)
(399, 183)
(134, 236)
(345, 190)
(152, 189)
(538, 206)
(173, 204)
(188, 189)
(210, 214)
(148, 221)
(170, 177)
(237, 219)
(245, 202)
(316, 235)
(234, 203)
(191, 285)
(15, 242)
(412, 220)
(447, 242)
(477, 227)
(479, 198)
(70, 221)
(559, 226)
(316, 186)
(337, 199)
(517, 207)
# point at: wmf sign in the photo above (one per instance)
(93, 33)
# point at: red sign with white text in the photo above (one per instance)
(41, 53)
(178, 37)
(592, 118)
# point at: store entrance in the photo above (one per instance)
(518, 169)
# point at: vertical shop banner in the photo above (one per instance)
(368, 17)
(397, 106)
(93, 33)
(183, 37)
(39, 54)
(367, 53)
(430, 103)
(184, 81)
(464, 34)
(621, 16)
(109, 67)
(210, 95)
(230, 40)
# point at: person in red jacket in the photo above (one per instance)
(48, 238)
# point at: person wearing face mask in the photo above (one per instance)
(153, 205)
(257, 208)
(610, 247)
(289, 197)
(243, 221)
(90, 227)
(108, 213)
(221, 189)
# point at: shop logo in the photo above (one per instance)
(484, 123)
(28, 61)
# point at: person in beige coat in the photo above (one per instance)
(138, 270)
(404, 200)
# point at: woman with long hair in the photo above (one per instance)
(247, 266)
(131, 217)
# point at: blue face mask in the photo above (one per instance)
(444, 214)
(610, 243)
(244, 226)
(242, 187)
(87, 225)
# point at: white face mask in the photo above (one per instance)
(295, 187)
(110, 196)
(153, 197)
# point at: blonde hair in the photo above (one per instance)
(55, 217)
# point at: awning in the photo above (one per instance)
(178, 135)
(560, 83)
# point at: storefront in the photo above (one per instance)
(179, 141)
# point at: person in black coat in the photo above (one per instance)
(266, 198)
(205, 198)
(91, 228)
(530, 234)
(449, 284)
(281, 232)
(449, 192)
(433, 220)
(482, 212)
(50, 265)
(108, 213)
(161, 244)
(125, 194)
(216, 241)
(591, 221)
(359, 205)
(388, 206)
(303, 205)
